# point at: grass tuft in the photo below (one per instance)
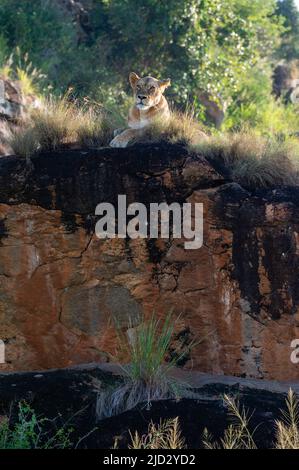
(287, 429)
(94, 129)
(178, 128)
(237, 435)
(58, 123)
(166, 435)
(147, 376)
(252, 160)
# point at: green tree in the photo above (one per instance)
(200, 44)
(289, 48)
(39, 29)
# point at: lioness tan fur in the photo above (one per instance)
(149, 103)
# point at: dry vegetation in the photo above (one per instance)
(167, 434)
(253, 160)
(58, 123)
(287, 429)
(179, 128)
(245, 157)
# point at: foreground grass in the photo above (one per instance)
(167, 435)
(245, 157)
(29, 432)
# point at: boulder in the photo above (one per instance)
(14, 106)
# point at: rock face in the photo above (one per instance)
(14, 106)
(61, 288)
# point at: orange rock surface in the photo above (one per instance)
(61, 288)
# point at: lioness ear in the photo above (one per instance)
(163, 84)
(133, 78)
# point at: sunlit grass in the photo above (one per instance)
(253, 160)
(60, 122)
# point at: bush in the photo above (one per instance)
(255, 106)
(147, 376)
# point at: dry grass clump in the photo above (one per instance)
(22, 142)
(166, 435)
(237, 435)
(253, 160)
(94, 129)
(287, 429)
(58, 123)
(178, 128)
(147, 377)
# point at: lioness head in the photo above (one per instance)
(147, 90)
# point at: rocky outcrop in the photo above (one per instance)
(14, 106)
(68, 396)
(286, 81)
(61, 286)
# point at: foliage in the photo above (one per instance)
(3, 50)
(202, 44)
(39, 29)
(228, 48)
(289, 48)
(255, 107)
(29, 432)
(19, 67)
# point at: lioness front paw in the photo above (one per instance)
(118, 142)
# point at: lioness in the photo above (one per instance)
(149, 103)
